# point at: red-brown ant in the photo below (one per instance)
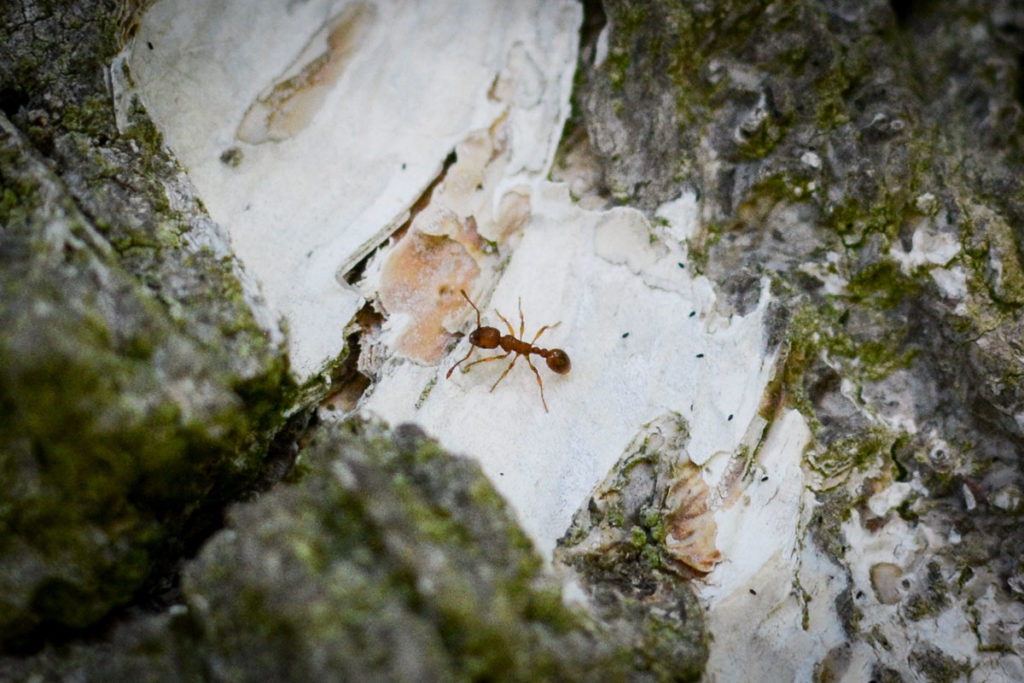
(492, 338)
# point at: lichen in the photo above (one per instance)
(858, 452)
(929, 598)
(621, 540)
(143, 131)
(935, 666)
(832, 509)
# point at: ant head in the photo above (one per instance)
(559, 361)
(485, 337)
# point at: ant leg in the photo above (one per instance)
(471, 347)
(484, 360)
(507, 323)
(522, 323)
(541, 330)
(510, 365)
(540, 383)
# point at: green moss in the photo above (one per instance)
(142, 130)
(484, 629)
(760, 142)
(127, 423)
(853, 221)
(653, 521)
(814, 333)
(785, 186)
(819, 331)
(653, 556)
(699, 248)
(1000, 263)
(803, 343)
(426, 392)
(115, 458)
(617, 66)
(935, 666)
(269, 395)
(856, 452)
(637, 537)
(168, 235)
(18, 201)
(93, 116)
(883, 284)
(94, 444)
(830, 104)
(906, 510)
(930, 598)
(232, 157)
(832, 510)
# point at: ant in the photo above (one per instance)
(491, 338)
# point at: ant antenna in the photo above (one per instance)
(466, 297)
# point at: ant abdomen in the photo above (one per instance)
(558, 360)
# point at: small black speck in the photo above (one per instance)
(860, 594)
(149, 45)
(682, 265)
(693, 313)
(232, 157)
(764, 478)
(625, 334)
(403, 167)
(502, 474)
(753, 592)
(730, 417)
(700, 355)
(308, 254)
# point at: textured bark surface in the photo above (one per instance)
(138, 391)
(866, 157)
(390, 560)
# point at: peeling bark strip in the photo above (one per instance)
(691, 523)
(311, 133)
(286, 107)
